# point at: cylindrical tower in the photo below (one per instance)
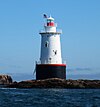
(50, 64)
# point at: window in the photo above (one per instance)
(46, 44)
(49, 58)
(55, 52)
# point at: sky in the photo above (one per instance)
(21, 21)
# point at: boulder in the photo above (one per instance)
(5, 79)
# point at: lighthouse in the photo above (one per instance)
(50, 64)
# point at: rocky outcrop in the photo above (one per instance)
(5, 79)
(57, 83)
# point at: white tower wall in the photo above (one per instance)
(50, 49)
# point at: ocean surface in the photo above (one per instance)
(49, 97)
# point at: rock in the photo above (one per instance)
(5, 79)
(56, 83)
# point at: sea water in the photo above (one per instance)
(49, 97)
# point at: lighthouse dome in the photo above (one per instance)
(50, 18)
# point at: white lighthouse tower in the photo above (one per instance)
(50, 64)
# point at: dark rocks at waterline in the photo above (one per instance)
(56, 83)
(5, 79)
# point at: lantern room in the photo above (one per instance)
(50, 21)
(50, 25)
